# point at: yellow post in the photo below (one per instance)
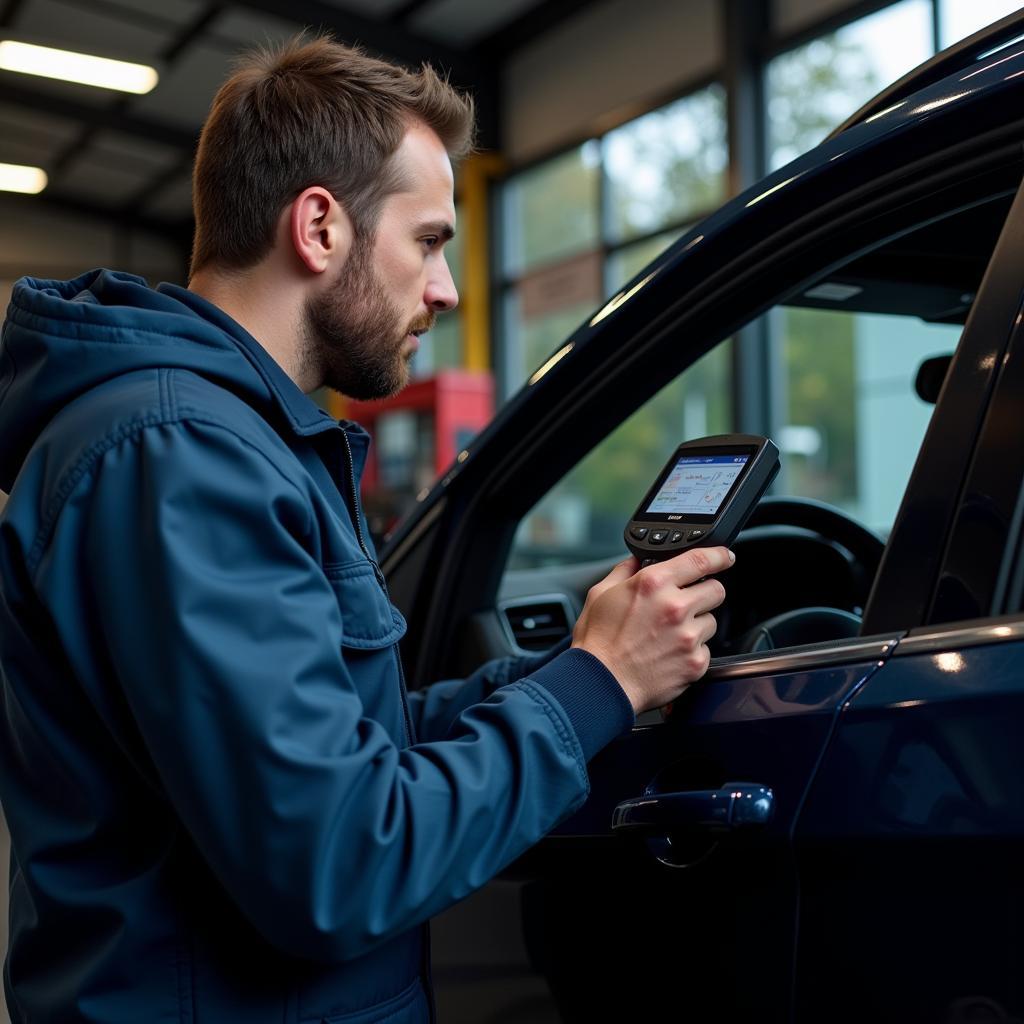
(474, 175)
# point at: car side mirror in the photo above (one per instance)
(930, 375)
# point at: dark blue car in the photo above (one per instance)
(868, 684)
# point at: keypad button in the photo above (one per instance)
(694, 535)
(638, 532)
(658, 536)
(677, 536)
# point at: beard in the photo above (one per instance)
(354, 336)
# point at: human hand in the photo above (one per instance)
(650, 627)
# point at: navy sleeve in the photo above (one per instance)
(579, 681)
(219, 626)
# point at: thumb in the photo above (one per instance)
(622, 572)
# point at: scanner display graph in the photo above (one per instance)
(698, 484)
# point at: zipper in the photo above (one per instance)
(353, 508)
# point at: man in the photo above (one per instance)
(223, 804)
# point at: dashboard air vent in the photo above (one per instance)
(536, 624)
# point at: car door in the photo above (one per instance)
(910, 843)
(685, 907)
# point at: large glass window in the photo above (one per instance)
(544, 308)
(961, 18)
(551, 211)
(841, 399)
(579, 225)
(625, 263)
(666, 166)
(813, 88)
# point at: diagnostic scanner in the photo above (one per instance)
(703, 496)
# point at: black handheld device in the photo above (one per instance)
(703, 496)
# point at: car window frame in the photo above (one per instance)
(471, 535)
(970, 407)
(982, 570)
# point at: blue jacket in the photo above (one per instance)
(223, 806)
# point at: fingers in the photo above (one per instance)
(622, 572)
(626, 568)
(695, 564)
(698, 655)
(707, 624)
(704, 596)
(694, 637)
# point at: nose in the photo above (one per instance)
(441, 293)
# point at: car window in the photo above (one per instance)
(845, 352)
(582, 518)
(852, 422)
(850, 427)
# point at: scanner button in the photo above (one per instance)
(694, 535)
(638, 532)
(658, 536)
(677, 536)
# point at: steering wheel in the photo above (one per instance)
(814, 623)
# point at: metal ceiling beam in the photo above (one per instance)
(178, 233)
(182, 37)
(152, 189)
(407, 10)
(189, 33)
(389, 40)
(9, 11)
(533, 23)
(100, 117)
(393, 41)
(383, 37)
(131, 15)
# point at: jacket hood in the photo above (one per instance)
(62, 338)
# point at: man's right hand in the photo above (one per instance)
(650, 627)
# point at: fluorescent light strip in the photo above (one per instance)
(83, 68)
(17, 178)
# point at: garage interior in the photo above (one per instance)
(606, 130)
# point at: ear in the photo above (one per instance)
(320, 230)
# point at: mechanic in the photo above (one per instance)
(223, 804)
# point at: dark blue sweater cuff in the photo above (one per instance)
(590, 696)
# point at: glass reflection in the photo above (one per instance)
(950, 662)
(958, 20)
(815, 87)
(667, 166)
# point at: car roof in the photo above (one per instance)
(961, 56)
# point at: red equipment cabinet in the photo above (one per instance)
(417, 434)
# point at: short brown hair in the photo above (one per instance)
(314, 112)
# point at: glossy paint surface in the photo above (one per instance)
(911, 842)
(727, 934)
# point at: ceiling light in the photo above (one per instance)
(17, 178)
(76, 67)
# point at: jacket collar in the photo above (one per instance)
(301, 413)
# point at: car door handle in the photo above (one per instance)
(736, 805)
